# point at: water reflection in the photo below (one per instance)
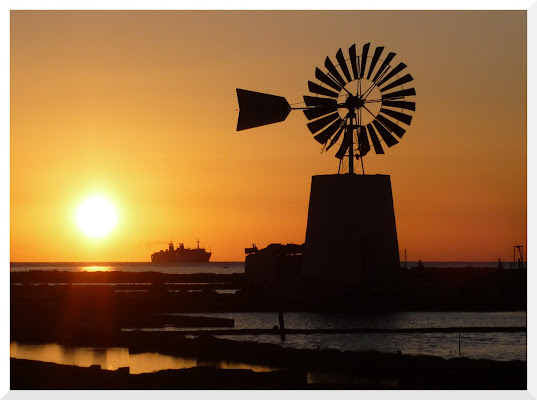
(96, 268)
(499, 346)
(116, 357)
(395, 320)
(195, 268)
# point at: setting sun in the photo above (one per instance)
(96, 216)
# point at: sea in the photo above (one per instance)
(212, 267)
(500, 346)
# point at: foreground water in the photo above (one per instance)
(501, 346)
(116, 357)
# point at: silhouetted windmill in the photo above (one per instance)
(357, 103)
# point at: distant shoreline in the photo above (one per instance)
(112, 262)
(242, 261)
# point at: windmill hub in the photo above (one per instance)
(359, 102)
(353, 103)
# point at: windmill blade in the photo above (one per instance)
(406, 119)
(376, 56)
(328, 132)
(363, 143)
(392, 73)
(319, 124)
(391, 126)
(399, 94)
(332, 69)
(384, 65)
(345, 144)
(336, 137)
(354, 64)
(374, 139)
(385, 134)
(381, 74)
(365, 50)
(314, 88)
(407, 105)
(401, 81)
(326, 79)
(258, 109)
(317, 112)
(319, 101)
(343, 65)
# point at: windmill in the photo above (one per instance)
(360, 103)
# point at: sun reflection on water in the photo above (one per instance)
(114, 357)
(97, 268)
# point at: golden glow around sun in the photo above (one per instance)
(96, 216)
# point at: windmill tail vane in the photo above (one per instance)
(358, 102)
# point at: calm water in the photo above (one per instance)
(116, 357)
(492, 346)
(214, 267)
(501, 346)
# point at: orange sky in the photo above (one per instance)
(141, 108)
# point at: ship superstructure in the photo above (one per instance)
(181, 254)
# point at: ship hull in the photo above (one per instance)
(182, 258)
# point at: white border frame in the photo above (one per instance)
(531, 8)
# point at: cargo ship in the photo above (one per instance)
(181, 254)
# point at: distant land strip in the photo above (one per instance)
(276, 331)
